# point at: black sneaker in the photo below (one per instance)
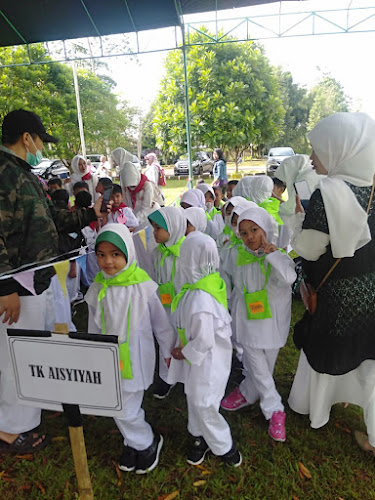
(198, 451)
(232, 458)
(148, 459)
(128, 459)
(162, 389)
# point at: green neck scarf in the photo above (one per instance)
(234, 241)
(172, 250)
(244, 257)
(227, 230)
(131, 276)
(212, 284)
(272, 206)
(211, 215)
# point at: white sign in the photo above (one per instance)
(57, 369)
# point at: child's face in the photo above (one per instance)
(117, 199)
(53, 187)
(228, 210)
(230, 188)
(160, 234)
(208, 197)
(278, 190)
(110, 259)
(82, 166)
(252, 235)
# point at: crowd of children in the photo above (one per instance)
(221, 286)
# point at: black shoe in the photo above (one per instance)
(128, 459)
(232, 458)
(148, 459)
(162, 389)
(198, 451)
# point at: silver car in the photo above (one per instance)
(275, 157)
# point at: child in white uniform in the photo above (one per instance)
(213, 214)
(202, 356)
(123, 301)
(196, 220)
(195, 198)
(169, 224)
(120, 212)
(262, 310)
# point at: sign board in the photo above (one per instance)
(59, 369)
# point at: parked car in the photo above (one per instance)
(94, 159)
(202, 164)
(275, 157)
(51, 168)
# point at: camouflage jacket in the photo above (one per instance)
(29, 224)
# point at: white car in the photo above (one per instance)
(275, 157)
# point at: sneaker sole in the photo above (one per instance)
(237, 407)
(200, 460)
(278, 440)
(152, 467)
(126, 469)
(160, 396)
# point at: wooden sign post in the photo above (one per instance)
(75, 373)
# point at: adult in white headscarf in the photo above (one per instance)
(195, 198)
(337, 342)
(197, 220)
(295, 169)
(140, 194)
(80, 173)
(202, 360)
(152, 169)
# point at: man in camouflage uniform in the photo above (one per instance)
(29, 226)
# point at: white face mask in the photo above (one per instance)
(209, 206)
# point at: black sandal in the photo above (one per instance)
(24, 443)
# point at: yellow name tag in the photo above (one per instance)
(256, 307)
(165, 298)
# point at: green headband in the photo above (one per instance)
(113, 238)
(158, 218)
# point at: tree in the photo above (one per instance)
(328, 98)
(48, 90)
(297, 104)
(234, 98)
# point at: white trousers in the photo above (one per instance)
(136, 431)
(258, 382)
(206, 421)
(16, 418)
(163, 368)
(58, 307)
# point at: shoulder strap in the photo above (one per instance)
(335, 264)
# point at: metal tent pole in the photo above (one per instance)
(187, 110)
(80, 123)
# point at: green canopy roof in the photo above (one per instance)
(32, 21)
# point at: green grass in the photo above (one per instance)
(338, 467)
(270, 471)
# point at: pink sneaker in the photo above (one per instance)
(276, 428)
(234, 401)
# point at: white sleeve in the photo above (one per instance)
(284, 267)
(161, 326)
(92, 326)
(131, 220)
(201, 338)
(308, 243)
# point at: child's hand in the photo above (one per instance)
(267, 247)
(167, 361)
(177, 353)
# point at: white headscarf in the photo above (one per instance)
(197, 218)
(75, 166)
(129, 174)
(238, 209)
(295, 169)
(176, 223)
(263, 219)
(256, 188)
(119, 299)
(198, 258)
(205, 188)
(236, 201)
(194, 198)
(345, 145)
